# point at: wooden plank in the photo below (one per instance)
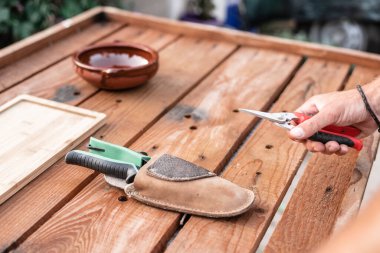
(60, 82)
(247, 39)
(48, 36)
(208, 138)
(35, 61)
(354, 195)
(315, 203)
(32, 144)
(267, 162)
(129, 113)
(313, 208)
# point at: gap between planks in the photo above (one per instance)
(322, 208)
(277, 216)
(292, 187)
(280, 211)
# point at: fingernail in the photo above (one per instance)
(297, 132)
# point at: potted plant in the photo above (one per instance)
(200, 11)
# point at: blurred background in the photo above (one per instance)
(343, 23)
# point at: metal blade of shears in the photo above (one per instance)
(274, 117)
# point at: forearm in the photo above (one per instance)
(372, 92)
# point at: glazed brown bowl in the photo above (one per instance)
(116, 66)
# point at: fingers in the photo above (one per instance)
(314, 146)
(332, 147)
(329, 148)
(312, 125)
(343, 150)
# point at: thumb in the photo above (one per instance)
(312, 125)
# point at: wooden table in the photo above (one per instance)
(189, 110)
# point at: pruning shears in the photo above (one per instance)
(341, 134)
(118, 164)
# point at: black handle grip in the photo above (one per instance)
(119, 170)
(326, 137)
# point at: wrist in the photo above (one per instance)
(372, 92)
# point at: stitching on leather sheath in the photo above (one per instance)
(135, 193)
(153, 174)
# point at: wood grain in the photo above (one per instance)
(313, 208)
(35, 61)
(354, 194)
(129, 113)
(247, 39)
(267, 162)
(316, 202)
(60, 82)
(201, 128)
(27, 118)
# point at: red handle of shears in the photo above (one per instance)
(341, 134)
(344, 130)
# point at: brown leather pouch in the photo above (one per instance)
(175, 184)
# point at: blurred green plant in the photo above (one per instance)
(201, 8)
(21, 18)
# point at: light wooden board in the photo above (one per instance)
(315, 204)
(250, 77)
(129, 113)
(267, 162)
(35, 133)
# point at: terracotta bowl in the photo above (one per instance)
(116, 66)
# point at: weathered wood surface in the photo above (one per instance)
(129, 114)
(204, 75)
(354, 195)
(316, 202)
(34, 62)
(267, 162)
(201, 128)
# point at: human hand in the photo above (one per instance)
(339, 108)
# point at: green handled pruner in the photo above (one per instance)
(119, 164)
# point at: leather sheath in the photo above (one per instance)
(175, 184)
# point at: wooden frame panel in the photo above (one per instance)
(247, 39)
